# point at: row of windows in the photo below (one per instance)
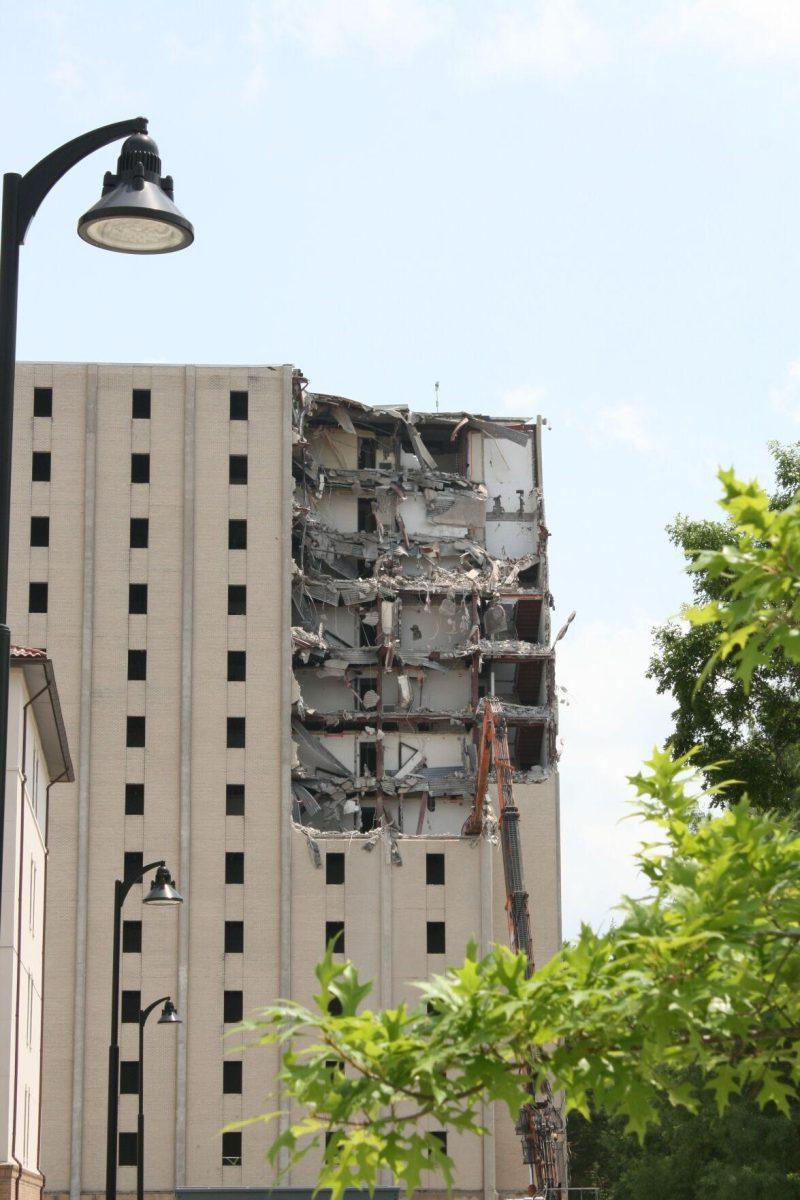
(232, 1011)
(137, 601)
(335, 863)
(42, 467)
(234, 800)
(136, 730)
(335, 932)
(231, 1076)
(231, 1149)
(234, 874)
(231, 1141)
(140, 404)
(234, 859)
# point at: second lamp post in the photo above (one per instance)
(162, 891)
(169, 1016)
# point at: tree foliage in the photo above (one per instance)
(691, 1156)
(692, 999)
(754, 729)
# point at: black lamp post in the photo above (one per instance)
(162, 891)
(169, 1016)
(135, 215)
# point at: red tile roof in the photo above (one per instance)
(27, 652)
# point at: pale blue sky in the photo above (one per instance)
(585, 208)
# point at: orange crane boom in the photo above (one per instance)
(539, 1125)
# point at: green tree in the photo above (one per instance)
(692, 998)
(691, 1156)
(755, 731)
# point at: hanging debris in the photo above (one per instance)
(419, 584)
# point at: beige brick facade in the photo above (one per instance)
(185, 766)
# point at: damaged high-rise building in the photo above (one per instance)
(419, 556)
(274, 615)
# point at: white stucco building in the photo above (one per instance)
(38, 757)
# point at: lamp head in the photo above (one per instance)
(169, 1015)
(163, 890)
(136, 213)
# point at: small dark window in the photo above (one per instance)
(366, 453)
(135, 731)
(140, 533)
(236, 665)
(232, 1077)
(441, 1136)
(332, 1139)
(128, 1149)
(131, 1004)
(367, 758)
(237, 600)
(367, 634)
(334, 867)
(335, 1006)
(137, 664)
(434, 868)
(140, 468)
(234, 866)
(37, 597)
(140, 405)
(366, 516)
(132, 937)
(232, 1149)
(137, 598)
(40, 466)
(334, 932)
(134, 799)
(42, 402)
(129, 1077)
(239, 406)
(368, 813)
(234, 937)
(237, 534)
(237, 468)
(235, 731)
(40, 531)
(436, 937)
(134, 861)
(233, 1008)
(234, 799)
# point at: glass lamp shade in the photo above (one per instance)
(169, 1015)
(163, 890)
(136, 217)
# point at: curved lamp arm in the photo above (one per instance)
(145, 1012)
(125, 885)
(45, 175)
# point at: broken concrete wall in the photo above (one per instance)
(419, 586)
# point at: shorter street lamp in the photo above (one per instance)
(169, 1016)
(162, 892)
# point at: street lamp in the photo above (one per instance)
(135, 215)
(169, 1016)
(165, 893)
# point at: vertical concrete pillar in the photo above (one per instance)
(84, 759)
(185, 813)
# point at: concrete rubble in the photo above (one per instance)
(419, 585)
